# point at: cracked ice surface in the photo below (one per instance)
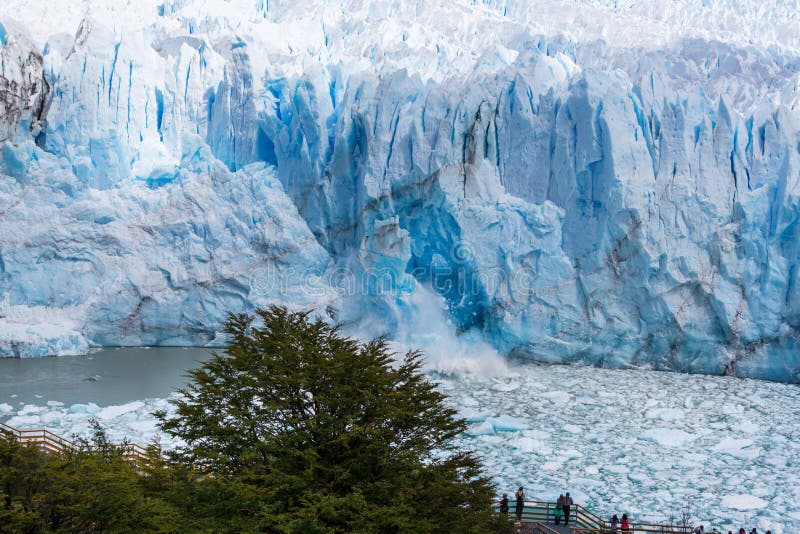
(641, 442)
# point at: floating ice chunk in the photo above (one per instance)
(570, 453)
(51, 418)
(28, 409)
(23, 420)
(572, 429)
(466, 401)
(505, 386)
(746, 427)
(591, 470)
(667, 437)
(483, 429)
(474, 416)
(111, 412)
(743, 502)
(586, 482)
(506, 423)
(55, 404)
(536, 434)
(740, 448)
(144, 427)
(618, 469)
(90, 408)
(666, 414)
(530, 445)
(552, 466)
(557, 397)
(6, 408)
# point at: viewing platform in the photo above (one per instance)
(538, 517)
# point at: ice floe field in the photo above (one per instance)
(646, 443)
(650, 444)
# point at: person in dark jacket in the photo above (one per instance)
(504, 504)
(520, 495)
(567, 504)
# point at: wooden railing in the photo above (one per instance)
(52, 443)
(584, 521)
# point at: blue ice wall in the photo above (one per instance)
(602, 216)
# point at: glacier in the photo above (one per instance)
(565, 181)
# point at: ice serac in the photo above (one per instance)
(558, 196)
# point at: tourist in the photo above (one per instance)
(520, 495)
(504, 504)
(700, 530)
(626, 525)
(567, 504)
(559, 513)
(742, 530)
(615, 523)
(753, 531)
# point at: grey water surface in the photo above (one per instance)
(107, 377)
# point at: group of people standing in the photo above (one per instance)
(624, 525)
(563, 506)
(701, 530)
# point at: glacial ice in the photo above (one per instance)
(560, 187)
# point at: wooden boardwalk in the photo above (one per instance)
(538, 518)
(52, 443)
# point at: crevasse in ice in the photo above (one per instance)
(565, 181)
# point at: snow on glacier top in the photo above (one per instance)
(431, 38)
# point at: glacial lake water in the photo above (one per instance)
(106, 377)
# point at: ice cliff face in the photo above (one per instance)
(565, 181)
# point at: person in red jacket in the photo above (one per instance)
(625, 523)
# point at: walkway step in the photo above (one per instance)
(561, 529)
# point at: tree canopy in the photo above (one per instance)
(319, 432)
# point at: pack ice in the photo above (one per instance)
(565, 181)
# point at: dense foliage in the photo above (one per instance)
(89, 489)
(294, 428)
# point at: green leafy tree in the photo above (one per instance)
(302, 429)
(90, 488)
(23, 485)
